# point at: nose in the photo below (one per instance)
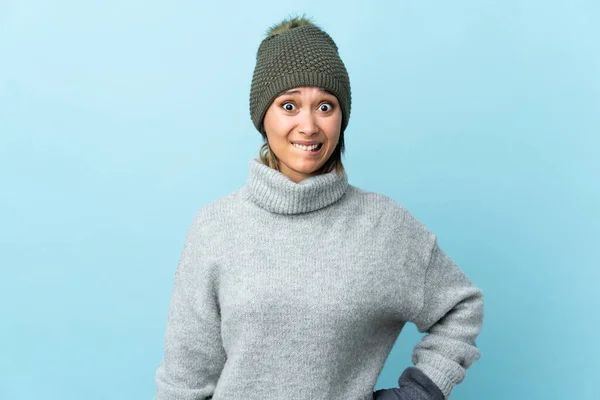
(308, 123)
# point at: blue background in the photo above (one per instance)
(120, 119)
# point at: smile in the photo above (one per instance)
(311, 150)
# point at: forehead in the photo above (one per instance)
(306, 90)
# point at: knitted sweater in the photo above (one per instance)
(299, 291)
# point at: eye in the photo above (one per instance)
(288, 106)
(325, 107)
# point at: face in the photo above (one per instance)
(300, 115)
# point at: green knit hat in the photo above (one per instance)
(297, 53)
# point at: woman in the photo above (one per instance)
(297, 285)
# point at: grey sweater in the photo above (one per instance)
(299, 291)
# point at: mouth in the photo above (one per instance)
(309, 149)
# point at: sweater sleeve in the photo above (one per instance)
(452, 317)
(193, 353)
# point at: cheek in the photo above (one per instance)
(333, 125)
(277, 123)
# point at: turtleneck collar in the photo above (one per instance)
(276, 193)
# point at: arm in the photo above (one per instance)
(193, 353)
(452, 317)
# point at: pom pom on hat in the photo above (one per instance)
(288, 24)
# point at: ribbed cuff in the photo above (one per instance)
(419, 385)
(441, 380)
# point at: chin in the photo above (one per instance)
(307, 167)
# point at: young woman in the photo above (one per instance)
(297, 285)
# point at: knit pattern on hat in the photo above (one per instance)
(300, 56)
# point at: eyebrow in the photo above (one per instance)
(294, 91)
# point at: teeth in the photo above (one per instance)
(314, 146)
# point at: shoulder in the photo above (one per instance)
(392, 213)
(216, 213)
(383, 204)
(372, 200)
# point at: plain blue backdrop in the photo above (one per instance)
(119, 120)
